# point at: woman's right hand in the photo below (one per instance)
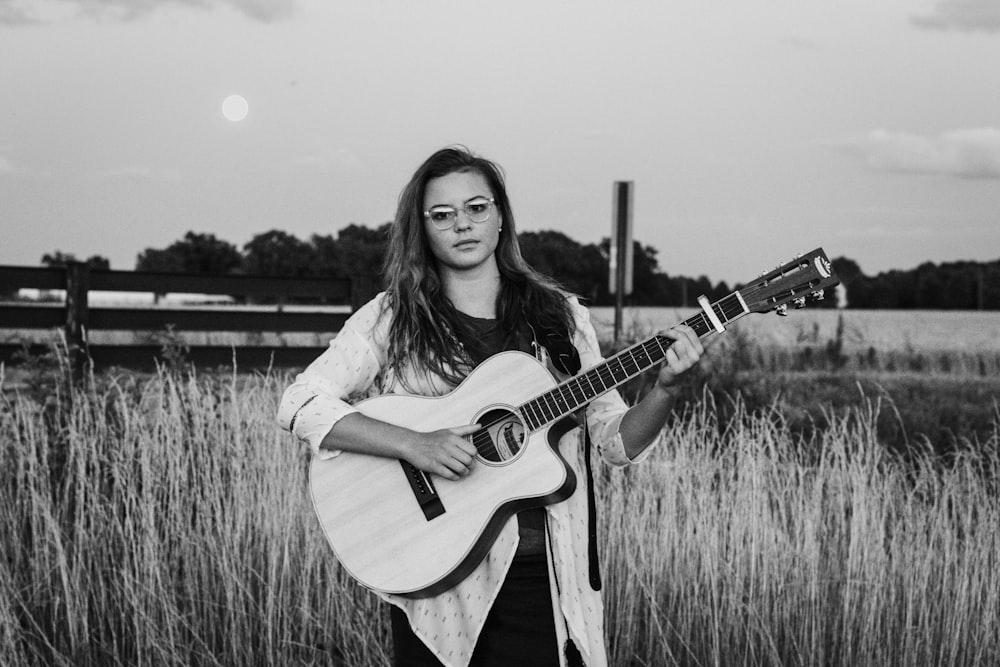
(446, 452)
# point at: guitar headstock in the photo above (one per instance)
(803, 278)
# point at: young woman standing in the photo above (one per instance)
(457, 292)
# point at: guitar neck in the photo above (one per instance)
(631, 362)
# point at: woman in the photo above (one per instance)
(457, 292)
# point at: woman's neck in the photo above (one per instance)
(474, 294)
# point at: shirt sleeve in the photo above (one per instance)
(319, 396)
(605, 413)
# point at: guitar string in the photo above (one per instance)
(577, 397)
(729, 308)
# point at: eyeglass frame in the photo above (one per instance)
(491, 201)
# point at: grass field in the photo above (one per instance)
(165, 521)
(937, 372)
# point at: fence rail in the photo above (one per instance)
(78, 320)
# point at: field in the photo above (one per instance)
(164, 520)
(937, 372)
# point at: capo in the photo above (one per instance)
(712, 317)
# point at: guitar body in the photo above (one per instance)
(368, 510)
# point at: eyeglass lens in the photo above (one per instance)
(477, 210)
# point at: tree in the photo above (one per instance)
(580, 269)
(278, 253)
(847, 271)
(356, 251)
(60, 259)
(195, 253)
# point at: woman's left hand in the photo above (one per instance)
(682, 355)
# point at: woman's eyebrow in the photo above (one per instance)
(472, 198)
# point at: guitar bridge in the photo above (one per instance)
(424, 491)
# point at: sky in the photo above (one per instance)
(753, 130)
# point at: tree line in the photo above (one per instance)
(964, 285)
(358, 250)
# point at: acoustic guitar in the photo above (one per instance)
(399, 530)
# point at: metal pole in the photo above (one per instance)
(621, 249)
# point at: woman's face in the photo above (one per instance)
(465, 245)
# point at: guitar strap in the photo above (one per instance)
(595, 567)
(562, 355)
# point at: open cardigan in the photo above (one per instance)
(354, 365)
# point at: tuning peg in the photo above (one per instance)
(818, 295)
(782, 310)
(800, 302)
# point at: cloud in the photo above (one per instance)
(964, 15)
(25, 12)
(6, 166)
(965, 153)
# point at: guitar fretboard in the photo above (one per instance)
(576, 392)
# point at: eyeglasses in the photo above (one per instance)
(444, 217)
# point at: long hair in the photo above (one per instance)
(423, 318)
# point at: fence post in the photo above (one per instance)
(77, 286)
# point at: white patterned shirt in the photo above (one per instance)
(449, 623)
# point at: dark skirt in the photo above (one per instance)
(519, 630)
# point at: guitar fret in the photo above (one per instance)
(608, 375)
(572, 401)
(644, 359)
(702, 326)
(576, 394)
(659, 344)
(635, 364)
(624, 365)
(540, 408)
(553, 407)
(721, 314)
(560, 400)
(739, 308)
(530, 416)
(545, 408)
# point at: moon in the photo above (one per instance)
(235, 108)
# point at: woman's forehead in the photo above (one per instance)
(457, 187)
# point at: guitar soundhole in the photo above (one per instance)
(502, 437)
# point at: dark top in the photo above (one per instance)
(482, 338)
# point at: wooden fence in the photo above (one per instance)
(75, 316)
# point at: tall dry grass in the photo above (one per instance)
(165, 521)
(738, 545)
